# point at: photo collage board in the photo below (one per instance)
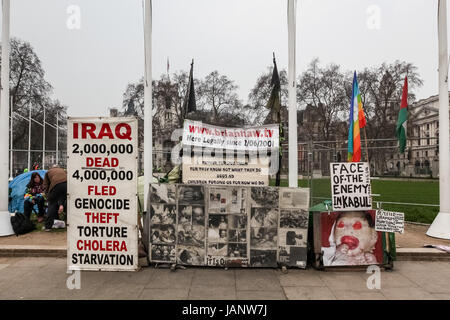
(228, 226)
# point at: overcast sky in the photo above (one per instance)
(89, 68)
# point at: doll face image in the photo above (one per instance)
(354, 234)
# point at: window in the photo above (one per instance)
(426, 153)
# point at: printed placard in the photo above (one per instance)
(203, 135)
(102, 216)
(350, 186)
(389, 221)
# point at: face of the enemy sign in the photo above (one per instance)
(350, 186)
(102, 188)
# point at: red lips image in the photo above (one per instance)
(350, 241)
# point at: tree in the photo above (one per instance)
(259, 95)
(29, 91)
(321, 91)
(218, 94)
(381, 90)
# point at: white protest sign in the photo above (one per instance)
(203, 135)
(350, 186)
(389, 221)
(102, 216)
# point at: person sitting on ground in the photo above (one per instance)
(55, 185)
(35, 196)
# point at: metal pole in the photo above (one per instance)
(292, 89)
(57, 137)
(440, 228)
(43, 144)
(148, 143)
(5, 223)
(29, 139)
(11, 142)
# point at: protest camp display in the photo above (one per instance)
(228, 226)
(229, 156)
(389, 221)
(102, 229)
(350, 186)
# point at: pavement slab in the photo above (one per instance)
(47, 278)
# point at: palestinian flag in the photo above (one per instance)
(402, 119)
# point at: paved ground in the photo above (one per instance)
(414, 237)
(45, 278)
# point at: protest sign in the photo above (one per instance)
(389, 221)
(228, 226)
(203, 135)
(229, 156)
(102, 194)
(350, 186)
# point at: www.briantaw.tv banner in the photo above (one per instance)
(229, 156)
(203, 135)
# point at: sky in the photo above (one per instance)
(90, 67)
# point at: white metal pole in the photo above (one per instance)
(29, 139)
(57, 137)
(292, 91)
(5, 224)
(440, 228)
(11, 136)
(43, 143)
(148, 143)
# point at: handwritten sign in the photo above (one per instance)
(350, 186)
(389, 221)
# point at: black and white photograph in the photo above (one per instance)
(283, 254)
(218, 221)
(163, 193)
(217, 249)
(193, 195)
(184, 214)
(293, 237)
(264, 217)
(237, 221)
(162, 233)
(193, 256)
(232, 235)
(294, 218)
(238, 200)
(163, 253)
(191, 234)
(263, 258)
(218, 200)
(263, 238)
(163, 214)
(297, 257)
(294, 198)
(264, 197)
(237, 250)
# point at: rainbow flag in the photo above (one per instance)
(357, 121)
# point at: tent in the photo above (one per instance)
(17, 189)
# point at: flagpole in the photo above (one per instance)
(5, 224)
(148, 143)
(365, 140)
(292, 92)
(440, 228)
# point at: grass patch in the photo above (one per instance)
(418, 192)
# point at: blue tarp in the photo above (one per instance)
(18, 187)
